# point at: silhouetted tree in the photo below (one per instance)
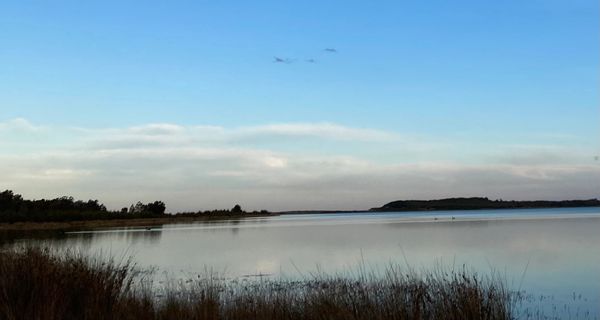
(139, 208)
(156, 208)
(14, 208)
(237, 209)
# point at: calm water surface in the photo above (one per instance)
(551, 252)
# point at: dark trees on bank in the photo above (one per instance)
(475, 203)
(155, 208)
(237, 209)
(13, 208)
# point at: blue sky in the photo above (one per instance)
(433, 84)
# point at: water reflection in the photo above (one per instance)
(10, 237)
(130, 236)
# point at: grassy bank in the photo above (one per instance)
(39, 284)
(127, 222)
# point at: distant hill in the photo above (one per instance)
(480, 203)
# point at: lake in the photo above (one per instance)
(554, 253)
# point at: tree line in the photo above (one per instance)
(14, 208)
(480, 203)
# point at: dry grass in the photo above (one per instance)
(40, 284)
(125, 222)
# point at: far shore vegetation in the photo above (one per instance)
(39, 283)
(14, 209)
(478, 203)
(67, 213)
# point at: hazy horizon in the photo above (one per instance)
(300, 106)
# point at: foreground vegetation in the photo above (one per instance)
(40, 284)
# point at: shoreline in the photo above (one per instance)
(419, 210)
(113, 223)
(157, 221)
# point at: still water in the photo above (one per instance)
(549, 252)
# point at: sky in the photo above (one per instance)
(183, 101)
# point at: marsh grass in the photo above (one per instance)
(37, 283)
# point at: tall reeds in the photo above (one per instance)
(37, 283)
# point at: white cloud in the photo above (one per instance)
(169, 134)
(158, 129)
(318, 130)
(193, 167)
(164, 134)
(19, 124)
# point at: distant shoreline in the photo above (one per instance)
(413, 210)
(158, 221)
(66, 214)
(479, 203)
(454, 204)
(116, 223)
